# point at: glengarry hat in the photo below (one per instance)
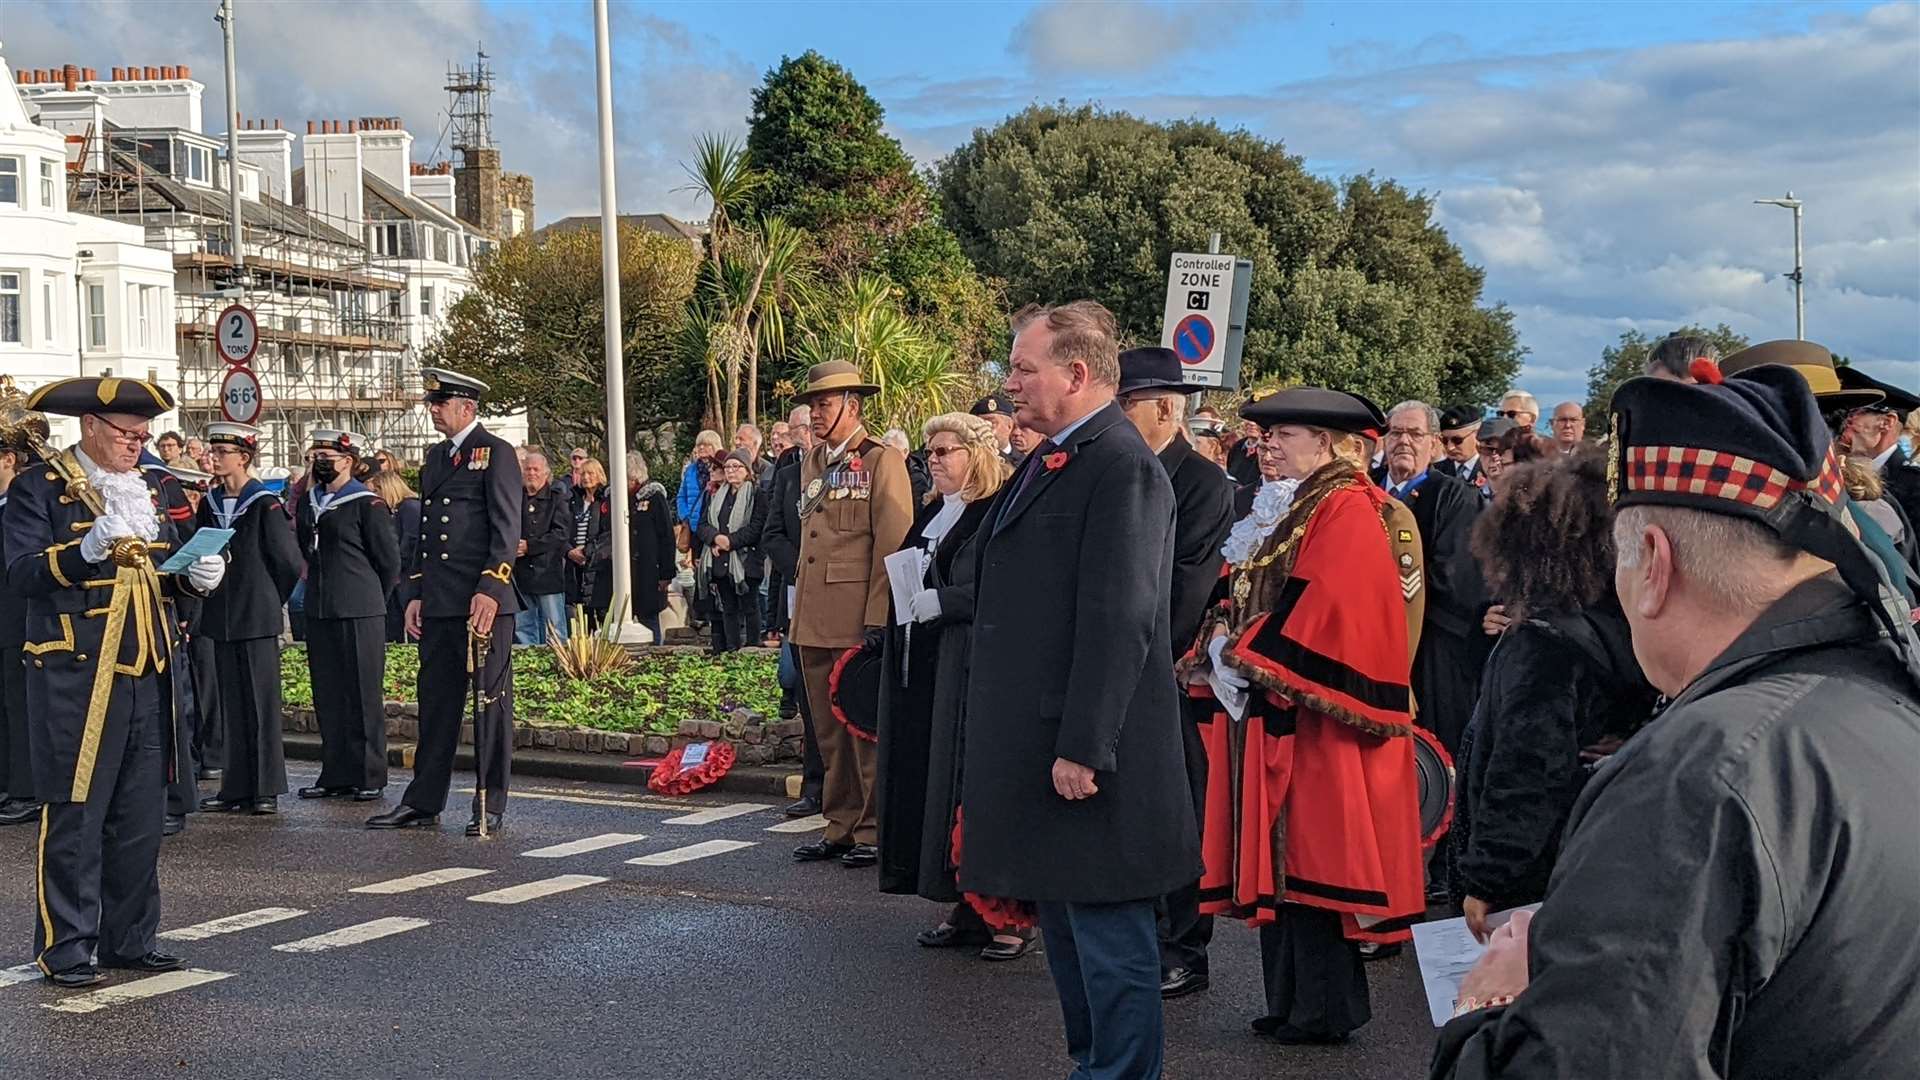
(834, 377)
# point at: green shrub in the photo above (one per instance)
(651, 698)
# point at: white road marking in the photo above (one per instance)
(22, 973)
(421, 881)
(805, 824)
(718, 813)
(357, 934)
(534, 890)
(701, 850)
(232, 924)
(152, 986)
(581, 847)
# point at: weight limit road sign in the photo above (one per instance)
(237, 335)
(240, 396)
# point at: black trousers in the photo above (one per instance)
(209, 727)
(446, 703)
(248, 674)
(98, 877)
(1184, 932)
(183, 790)
(737, 623)
(348, 662)
(813, 769)
(16, 760)
(1316, 981)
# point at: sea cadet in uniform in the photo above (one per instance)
(460, 581)
(85, 532)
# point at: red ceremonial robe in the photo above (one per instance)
(1312, 798)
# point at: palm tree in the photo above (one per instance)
(722, 175)
(860, 320)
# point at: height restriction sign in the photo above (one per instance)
(236, 334)
(1206, 316)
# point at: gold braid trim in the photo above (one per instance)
(504, 572)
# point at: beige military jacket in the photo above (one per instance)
(855, 511)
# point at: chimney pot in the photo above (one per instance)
(26, 77)
(309, 127)
(183, 72)
(166, 71)
(117, 72)
(89, 74)
(149, 73)
(276, 123)
(71, 77)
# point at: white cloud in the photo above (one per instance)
(1099, 36)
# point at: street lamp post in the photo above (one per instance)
(610, 290)
(1799, 275)
(225, 19)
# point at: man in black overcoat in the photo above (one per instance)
(1074, 793)
(460, 581)
(1154, 396)
(17, 802)
(781, 542)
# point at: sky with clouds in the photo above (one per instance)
(1600, 161)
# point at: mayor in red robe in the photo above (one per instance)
(1312, 821)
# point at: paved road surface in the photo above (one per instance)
(607, 933)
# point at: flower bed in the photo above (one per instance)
(667, 692)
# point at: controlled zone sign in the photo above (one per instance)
(1206, 316)
(236, 334)
(240, 396)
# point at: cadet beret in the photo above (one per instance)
(442, 384)
(1461, 416)
(1312, 406)
(101, 394)
(995, 404)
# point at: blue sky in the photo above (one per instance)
(1599, 160)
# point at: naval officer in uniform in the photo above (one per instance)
(100, 630)
(460, 581)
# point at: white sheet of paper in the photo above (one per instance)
(1446, 951)
(205, 541)
(694, 756)
(904, 572)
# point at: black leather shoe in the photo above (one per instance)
(1011, 945)
(949, 936)
(805, 806)
(173, 824)
(210, 774)
(403, 817)
(318, 792)
(216, 804)
(153, 961)
(493, 825)
(1287, 1035)
(820, 851)
(268, 805)
(860, 855)
(18, 811)
(75, 978)
(371, 794)
(1180, 982)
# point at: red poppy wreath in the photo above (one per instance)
(674, 777)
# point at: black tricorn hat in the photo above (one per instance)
(1313, 406)
(101, 394)
(1152, 368)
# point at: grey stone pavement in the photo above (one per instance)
(733, 963)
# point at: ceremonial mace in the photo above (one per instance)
(130, 551)
(478, 645)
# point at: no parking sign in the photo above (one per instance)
(1206, 316)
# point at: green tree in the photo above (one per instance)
(1353, 286)
(861, 320)
(1627, 358)
(832, 171)
(532, 327)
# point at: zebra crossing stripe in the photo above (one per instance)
(534, 890)
(421, 881)
(701, 850)
(357, 934)
(139, 989)
(233, 924)
(717, 813)
(20, 974)
(805, 824)
(581, 847)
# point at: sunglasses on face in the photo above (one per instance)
(1454, 440)
(941, 452)
(1511, 414)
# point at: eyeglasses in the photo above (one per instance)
(1566, 419)
(1512, 414)
(1405, 433)
(941, 452)
(125, 435)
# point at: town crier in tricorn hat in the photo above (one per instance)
(856, 504)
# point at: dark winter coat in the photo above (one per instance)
(1446, 667)
(1557, 682)
(781, 540)
(263, 565)
(744, 541)
(1071, 638)
(1203, 516)
(650, 551)
(352, 555)
(548, 532)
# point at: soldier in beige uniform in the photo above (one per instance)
(856, 505)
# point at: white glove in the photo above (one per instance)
(925, 606)
(207, 572)
(1222, 674)
(98, 543)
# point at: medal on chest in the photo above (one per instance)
(479, 459)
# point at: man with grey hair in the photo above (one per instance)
(1674, 357)
(539, 571)
(1075, 794)
(1734, 892)
(1446, 666)
(1569, 426)
(781, 542)
(1520, 407)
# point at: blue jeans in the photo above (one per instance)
(530, 623)
(1105, 960)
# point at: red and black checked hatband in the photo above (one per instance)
(1716, 474)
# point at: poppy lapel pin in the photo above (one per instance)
(1055, 461)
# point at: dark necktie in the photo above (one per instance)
(1035, 461)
